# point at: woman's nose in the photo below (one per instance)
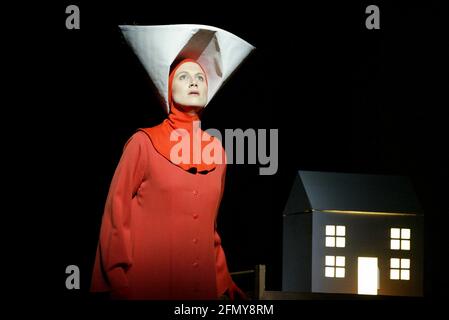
(193, 84)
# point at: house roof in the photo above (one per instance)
(351, 192)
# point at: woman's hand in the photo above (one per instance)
(235, 292)
(120, 294)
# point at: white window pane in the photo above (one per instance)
(405, 233)
(340, 242)
(340, 272)
(330, 241)
(330, 230)
(405, 244)
(395, 244)
(330, 260)
(405, 263)
(395, 263)
(405, 274)
(341, 231)
(330, 272)
(395, 233)
(394, 274)
(340, 261)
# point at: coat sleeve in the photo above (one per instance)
(114, 257)
(224, 279)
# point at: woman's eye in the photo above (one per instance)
(200, 78)
(182, 77)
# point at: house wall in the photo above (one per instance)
(367, 236)
(297, 253)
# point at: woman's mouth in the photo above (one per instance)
(196, 93)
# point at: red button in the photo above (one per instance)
(195, 192)
(195, 216)
(195, 240)
(195, 264)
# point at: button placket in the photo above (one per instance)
(195, 240)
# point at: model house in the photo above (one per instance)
(352, 233)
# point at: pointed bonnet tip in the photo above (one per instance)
(219, 51)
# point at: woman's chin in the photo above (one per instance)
(196, 105)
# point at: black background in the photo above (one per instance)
(344, 99)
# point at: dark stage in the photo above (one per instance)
(343, 98)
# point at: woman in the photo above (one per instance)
(158, 237)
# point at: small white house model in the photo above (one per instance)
(352, 233)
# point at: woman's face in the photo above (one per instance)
(189, 87)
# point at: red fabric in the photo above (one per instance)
(178, 119)
(158, 238)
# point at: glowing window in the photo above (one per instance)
(399, 269)
(340, 242)
(340, 261)
(405, 244)
(394, 274)
(339, 272)
(405, 274)
(395, 233)
(395, 244)
(335, 236)
(405, 233)
(334, 267)
(405, 263)
(400, 239)
(395, 263)
(330, 241)
(341, 231)
(330, 260)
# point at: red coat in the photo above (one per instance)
(158, 235)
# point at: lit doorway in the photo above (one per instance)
(368, 275)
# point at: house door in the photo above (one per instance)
(368, 275)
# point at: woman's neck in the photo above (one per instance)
(182, 117)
